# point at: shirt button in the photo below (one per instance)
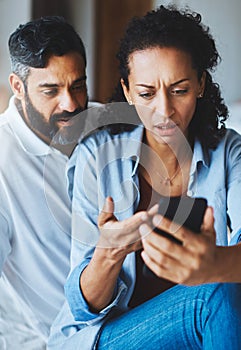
(190, 193)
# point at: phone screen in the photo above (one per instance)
(183, 210)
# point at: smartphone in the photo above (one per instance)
(183, 210)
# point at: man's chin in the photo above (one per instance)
(66, 135)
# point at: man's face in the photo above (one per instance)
(54, 95)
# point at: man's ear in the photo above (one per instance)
(126, 92)
(17, 86)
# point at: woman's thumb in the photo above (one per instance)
(208, 222)
(107, 212)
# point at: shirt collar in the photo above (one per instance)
(29, 141)
(199, 155)
(133, 151)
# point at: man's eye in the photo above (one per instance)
(49, 92)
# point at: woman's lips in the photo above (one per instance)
(166, 126)
(165, 129)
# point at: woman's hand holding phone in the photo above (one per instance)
(187, 257)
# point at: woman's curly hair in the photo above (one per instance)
(181, 29)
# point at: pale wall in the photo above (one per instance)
(12, 13)
(223, 18)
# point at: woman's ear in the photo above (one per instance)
(126, 92)
(17, 86)
(202, 85)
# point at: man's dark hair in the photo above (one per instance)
(170, 27)
(33, 43)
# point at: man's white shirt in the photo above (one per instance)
(35, 223)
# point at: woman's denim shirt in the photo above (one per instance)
(106, 165)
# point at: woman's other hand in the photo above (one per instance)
(195, 261)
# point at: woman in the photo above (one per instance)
(182, 148)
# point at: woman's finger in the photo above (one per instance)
(107, 212)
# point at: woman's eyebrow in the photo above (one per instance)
(152, 87)
(180, 81)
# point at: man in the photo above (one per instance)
(48, 80)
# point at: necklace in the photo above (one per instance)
(167, 181)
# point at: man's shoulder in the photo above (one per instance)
(3, 119)
(10, 145)
(6, 132)
(6, 116)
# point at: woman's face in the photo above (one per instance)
(164, 87)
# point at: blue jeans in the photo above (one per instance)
(200, 317)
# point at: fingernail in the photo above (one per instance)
(155, 207)
(144, 217)
(157, 219)
(144, 255)
(143, 229)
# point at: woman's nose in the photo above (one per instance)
(164, 105)
(68, 102)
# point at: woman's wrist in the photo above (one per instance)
(228, 264)
(109, 257)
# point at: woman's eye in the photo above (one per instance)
(146, 95)
(179, 91)
(80, 86)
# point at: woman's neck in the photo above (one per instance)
(166, 167)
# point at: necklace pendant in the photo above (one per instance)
(167, 181)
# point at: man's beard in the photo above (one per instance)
(58, 135)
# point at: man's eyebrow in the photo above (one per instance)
(48, 85)
(53, 85)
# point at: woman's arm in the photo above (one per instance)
(117, 239)
(100, 242)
